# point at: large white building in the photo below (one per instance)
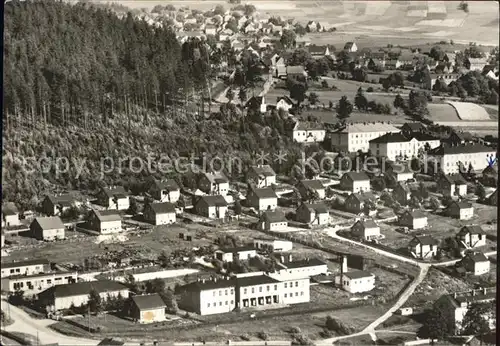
(256, 289)
(458, 304)
(34, 284)
(354, 137)
(358, 281)
(449, 157)
(304, 132)
(394, 145)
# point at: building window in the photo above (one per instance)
(253, 290)
(260, 289)
(220, 303)
(296, 284)
(208, 305)
(275, 287)
(232, 291)
(302, 293)
(232, 301)
(220, 292)
(226, 292)
(227, 303)
(296, 294)
(268, 288)
(285, 295)
(285, 285)
(244, 291)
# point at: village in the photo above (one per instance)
(393, 219)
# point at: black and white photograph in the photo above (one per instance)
(249, 172)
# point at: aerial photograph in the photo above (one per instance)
(249, 172)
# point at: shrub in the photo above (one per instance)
(263, 336)
(369, 90)
(245, 337)
(326, 333)
(338, 326)
(295, 330)
(301, 339)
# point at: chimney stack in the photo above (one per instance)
(344, 268)
(289, 257)
(455, 295)
(473, 293)
(484, 290)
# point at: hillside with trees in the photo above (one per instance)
(83, 84)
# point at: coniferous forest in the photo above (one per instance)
(83, 84)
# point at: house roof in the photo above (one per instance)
(170, 185)
(116, 191)
(107, 215)
(362, 197)
(319, 208)
(64, 199)
(315, 50)
(414, 126)
(461, 205)
(357, 176)
(423, 137)
(358, 274)
(295, 70)
(464, 136)
(236, 249)
(53, 222)
(456, 179)
(471, 229)
(425, 240)
(216, 178)
(33, 262)
(203, 285)
(377, 55)
(264, 170)
(368, 223)
(255, 280)
(162, 208)
(391, 138)
(368, 127)
(285, 98)
(274, 216)
(84, 288)
(308, 262)
(265, 192)
(149, 301)
(313, 184)
(416, 214)
(214, 200)
(307, 126)
(477, 257)
(111, 342)
(460, 149)
(348, 45)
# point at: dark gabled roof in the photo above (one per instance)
(214, 200)
(111, 342)
(314, 184)
(423, 137)
(461, 205)
(425, 240)
(314, 50)
(255, 280)
(203, 285)
(368, 223)
(363, 197)
(464, 136)
(162, 208)
(391, 138)
(170, 185)
(116, 191)
(358, 274)
(309, 262)
(274, 216)
(477, 257)
(286, 98)
(255, 101)
(416, 214)
(236, 249)
(357, 176)
(32, 262)
(308, 126)
(264, 170)
(149, 301)
(107, 215)
(216, 177)
(348, 45)
(460, 149)
(472, 229)
(64, 199)
(53, 222)
(318, 208)
(265, 192)
(84, 288)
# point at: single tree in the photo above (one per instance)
(164, 259)
(313, 98)
(288, 39)
(298, 92)
(399, 102)
(95, 302)
(237, 207)
(435, 204)
(437, 325)
(476, 320)
(344, 108)
(480, 192)
(360, 100)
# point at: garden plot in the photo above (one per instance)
(417, 13)
(436, 7)
(377, 8)
(469, 111)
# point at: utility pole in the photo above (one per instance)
(88, 306)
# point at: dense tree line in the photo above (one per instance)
(83, 84)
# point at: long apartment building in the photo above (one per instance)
(30, 267)
(34, 284)
(214, 296)
(357, 136)
(449, 157)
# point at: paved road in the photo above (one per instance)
(24, 323)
